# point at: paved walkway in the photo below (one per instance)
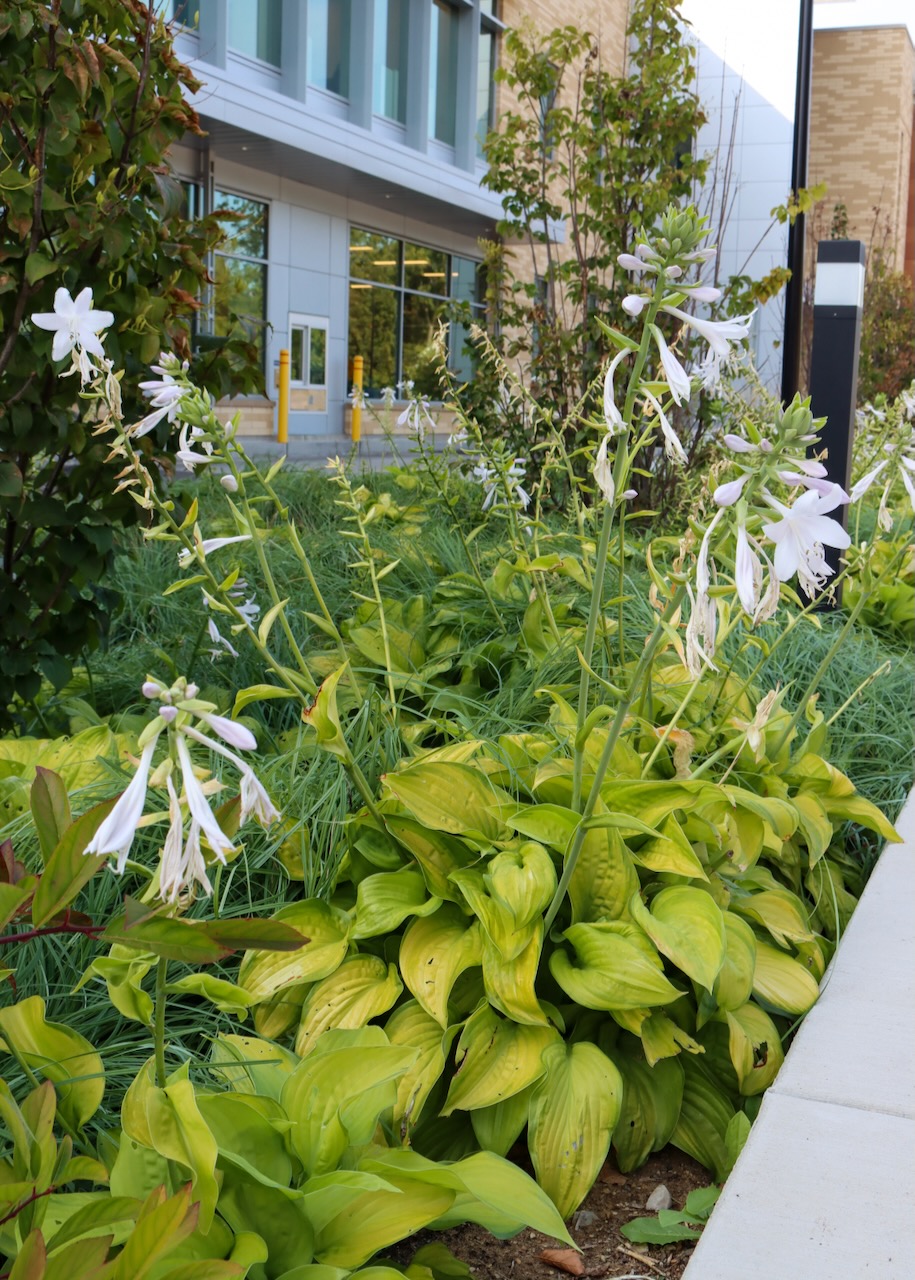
(825, 1187)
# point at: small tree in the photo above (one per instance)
(91, 98)
(601, 153)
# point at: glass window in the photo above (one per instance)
(443, 73)
(425, 270)
(255, 28)
(398, 296)
(374, 329)
(390, 59)
(185, 13)
(486, 58)
(328, 45)
(240, 293)
(374, 257)
(307, 350)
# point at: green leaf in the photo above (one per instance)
(385, 900)
(324, 718)
(782, 982)
(38, 265)
(179, 1133)
(266, 624)
(650, 1108)
(355, 1224)
(257, 693)
(449, 797)
(437, 853)
(617, 968)
(755, 1047)
(495, 1059)
(58, 1053)
(410, 1026)
(434, 952)
(509, 984)
(503, 1199)
(168, 937)
(68, 867)
(734, 983)
(98, 1213)
(50, 806)
(226, 996)
(686, 925)
(361, 989)
(651, 1230)
(264, 973)
(705, 1114)
(574, 1109)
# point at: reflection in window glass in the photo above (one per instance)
(390, 59)
(296, 353)
(328, 45)
(425, 269)
(421, 318)
(255, 28)
(374, 257)
(486, 52)
(185, 13)
(240, 293)
(443, 72)
(317, 357)
(374, 328)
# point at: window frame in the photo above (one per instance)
(301, 320)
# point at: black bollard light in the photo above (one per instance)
(838, 303)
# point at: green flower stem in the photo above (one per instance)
(159, 1022)
(620, 471)
(603, 763)
(671, 725)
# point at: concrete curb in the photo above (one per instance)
(823, 1190)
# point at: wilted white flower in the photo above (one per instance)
(702, 628)
(603, 471)
(672, 446)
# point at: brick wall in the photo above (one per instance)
(861, 130)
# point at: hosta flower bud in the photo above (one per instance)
(150, 689)
(229, 483)
(727, 494)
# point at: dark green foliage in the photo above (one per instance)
(887, 364)
(90, 101)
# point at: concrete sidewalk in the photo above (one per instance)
(825, 1187)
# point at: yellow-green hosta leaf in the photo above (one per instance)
(781, 982)
(734, 984)
(353, 1224)
(180, 1134)
(437, 853)
(509, 984)
(226, 996)
(246, 1132)
(650, 1108)
(743, 835)
(604, 879)
(410, 1026)
(815, 824)
(335, 1096)
(705, 1113)
(495, 1059)
(779, 911)
(275, 1017)
(498, 1128)
(670, 852)
(781, 815)
(857, 809)
(617, 968)
(264, 973)
(833, 903)
(652, 801)
(449, 797)
(574, 1110)
(686, 925)
(385, 900)
(250, 1065)
(522, 880)
(361, 989)
(755, 1047)
(501, 1198)
(273, 1214)
(662, 1038)
(58, 1053)
(324, 717)
(433, 952)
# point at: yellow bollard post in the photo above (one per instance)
(282, 411)
(357, 399)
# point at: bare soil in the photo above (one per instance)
(614, 1200)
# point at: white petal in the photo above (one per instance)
(230, 731)
(116, 833)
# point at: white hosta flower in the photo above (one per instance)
(701, 292)
(255, 802)
(186, 555)
(75, 327)
(182, 865)
(186, 455)
(219, 640)
(199, 809)
(737, 444)
(634, 304)
(675, 375)
(229, 483)
(612, 415)
(603, 471)
(416, 417)
(727, 494)
(631, 263)
(116, 833)
(672, 446)
(755, 728)
(702, 628)
(719, 334)
(388, 397)
(748, 574)
(802, 532)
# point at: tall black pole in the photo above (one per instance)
(794, 295)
